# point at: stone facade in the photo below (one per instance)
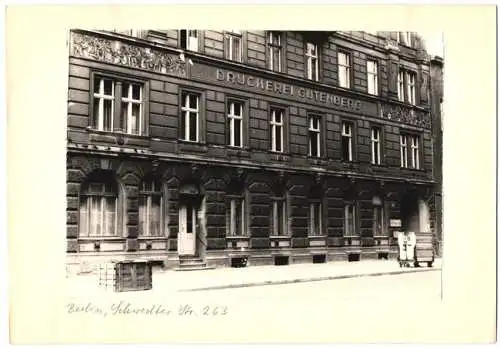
(165, 71)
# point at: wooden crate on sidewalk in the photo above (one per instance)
(129, 275)
(424, 248)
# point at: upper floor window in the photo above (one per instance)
(190, 114)
(401, 86)
(405, 38)
(412, 141)
(233, 46)
(344, 66)
(372, 75)
(314, 136)
(235, 123)
(128, 116)
(130, 32)
(347, 141)
(410, 84)
(312, 61)
(150, 209)
(99, 207)
(315, 219)
(274, 47)
(189, 39)
(407, 86)
(277, 126)
(375, 141)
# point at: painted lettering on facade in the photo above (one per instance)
(286, 89)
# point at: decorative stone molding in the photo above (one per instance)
(117, 52)
(408, 116)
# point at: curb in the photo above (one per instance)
(305, 280)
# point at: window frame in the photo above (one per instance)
(383, 223)
(283, 199)
(149, 194)
(282, 51)
(348, 56)
(352, 143)
(412, 162)
(355, 223)
(379, 142)
(308, 61)
(188, 45)
(316, 204)
(230, 224)
(401, 85)
(319, 134)
(230, 35)
(85, 194)
(411, 87)
(375, 74)
(244, 121)
(201, 114)
(284, 127)
(118, 81)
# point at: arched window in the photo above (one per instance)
(99, 206)
(150, 209)
(378, 217)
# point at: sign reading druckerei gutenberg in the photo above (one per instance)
(280, 88)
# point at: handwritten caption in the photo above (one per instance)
(124, 308)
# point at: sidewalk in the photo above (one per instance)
(221, 278)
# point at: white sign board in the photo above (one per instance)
(395, 223)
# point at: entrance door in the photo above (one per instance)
(188, 227)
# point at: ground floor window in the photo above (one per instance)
(350, 220)
(279, 215)
(315, 219)
(236, 216)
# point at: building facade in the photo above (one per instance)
(197, 147)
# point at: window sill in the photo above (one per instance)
(116, 134)
(280, 237)
(192, 146)
(144, 238)
(279, 156)
(323, 236)
(238, 237)
(100, 239)
(238, 151)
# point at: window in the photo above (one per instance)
(188, 215)
(314, 136)
(233, 46)
(410, 81)
(274, 42)
(375, 137)
(378, 217)
(190, 113)
(235, 123)
(132, 108)
(349, 220)
(312, 61)
(150, 209)
(401, 85)
(403, 150)
(99, 207)
(130, 117)
(189, 39)
(315, 219)
(405, 38)
(279, 217)
(277, 116)
(344, 70)
(414, 160)
(237, 216)
(415, 153)
(130, 32)
(372, 75)
(104, 97)
(346, 141)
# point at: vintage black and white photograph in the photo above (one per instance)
(267, 184)
(254, 158)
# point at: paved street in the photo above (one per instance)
(418, 286)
